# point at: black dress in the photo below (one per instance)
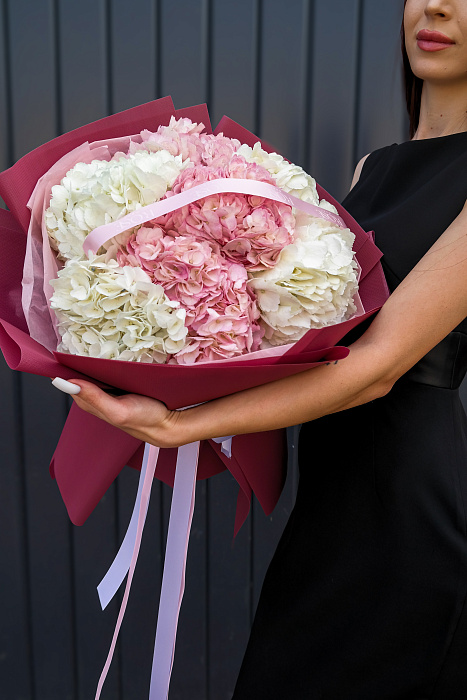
(365, 596)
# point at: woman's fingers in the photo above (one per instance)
(137, 415)
(93, 400)
(99, 403)
(66, 387)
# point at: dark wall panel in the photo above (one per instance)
(83, 61)
(283, 75)
(137, 634)
(15, 656)
(319, 80)
(48, 535)
(234, 61)
(185, 50)
(6, 134)
(333, 93)
(16, 653)
(381, 115)
(134, 58)
(33, 96)
(229, 572)
(94, 546)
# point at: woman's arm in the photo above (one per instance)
(429, 303)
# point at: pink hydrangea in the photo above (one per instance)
(263, 234)
(222, 336)
(221, 312)
(201, 253)
(226, 328)
(142, 248)
(218, 150)
(180, 137)
(250, 230)
(196, 175)
(183, 137)
(240, 168)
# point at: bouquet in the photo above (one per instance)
(199, 263)
(225, 275)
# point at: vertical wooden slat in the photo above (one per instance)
(95, 545)
(382, 116)
(133, 52)
(282, 90)
(83, 62)
(6, 150)
(15, 639)
(283, 51)
(85, 93)
(268, 529)
(234, 46)
(16, 680)
(31, 35)
(184, 47)
(44, 411)
(16, 660)
(228, 578)
(333, 83)
(137, 634)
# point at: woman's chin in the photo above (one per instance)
(432, 70)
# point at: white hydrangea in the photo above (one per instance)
(96, 193)
(311, 286)
(289, 177)
(110, 312)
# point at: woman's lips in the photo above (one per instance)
(432, 45)
(433, 41)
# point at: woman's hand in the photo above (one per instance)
(143, 418)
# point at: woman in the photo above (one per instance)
(364, 598)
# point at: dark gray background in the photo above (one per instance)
(320, 80)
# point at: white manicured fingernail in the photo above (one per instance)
(65, 386)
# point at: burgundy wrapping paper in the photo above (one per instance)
(262, 455)
(91, 453)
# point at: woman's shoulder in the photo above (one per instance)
(358, 171)
(369, 161)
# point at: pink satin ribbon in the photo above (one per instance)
(173, 579)
(151, 457)
(102, 234)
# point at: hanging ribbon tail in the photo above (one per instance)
(173, 580)
(152, 455)
(121, 564)
(226, 445)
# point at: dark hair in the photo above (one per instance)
(413, 86)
